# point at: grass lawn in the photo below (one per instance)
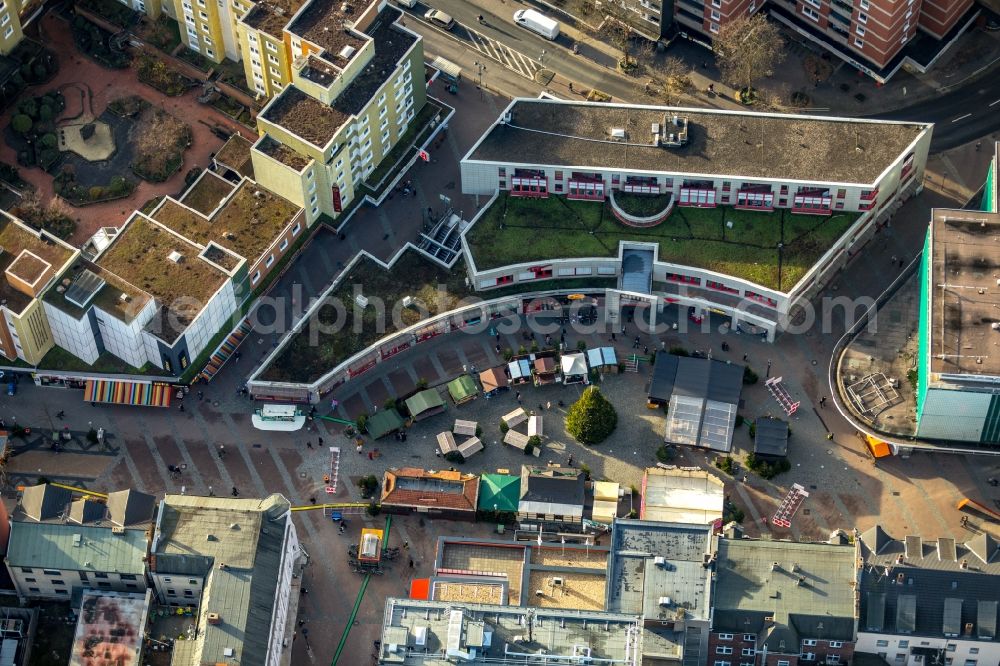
(741, 243)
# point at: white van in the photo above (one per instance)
(537, 22)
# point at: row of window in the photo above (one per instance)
(270, 259)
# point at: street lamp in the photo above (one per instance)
(480, 68)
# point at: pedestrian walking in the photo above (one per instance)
(571, 86)
(406, 545)
(518, 396)
(893, 260)
(979, 144)
(211, 493)
(768, 369)
(236, 492)
(745, 357)
(320, 441)
(548, 404)
(645, 350)
(569, 461)
(901, 262)
(498, 349)
(635, 345)
(201, 396)
(623, 329)
(822, 401)
(181, 406)
(308, 444)
(612, 336)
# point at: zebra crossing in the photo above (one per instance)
(506, 56)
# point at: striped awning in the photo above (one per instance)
(141, 394)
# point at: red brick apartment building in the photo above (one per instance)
(876, 36)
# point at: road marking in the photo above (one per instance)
(962, 117)
(995, 103)
(513, 60)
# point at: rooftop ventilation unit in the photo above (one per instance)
(775, 566)
(124, 298)
(120, 531)
(660, 561)
(675, 131)
(213, 618)
(175, 256)
(617, 134)
(347, 52)
(361, 301)
(664, 601)
(557, 581)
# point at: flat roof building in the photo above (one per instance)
(622, 172)
(663, 572)
(437, 633)
(235, 561)
(958, 375)
(786, 598)
(110, 628)
(31, 260)
(685, 495)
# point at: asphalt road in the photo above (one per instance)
(505, 45)
(960, 116)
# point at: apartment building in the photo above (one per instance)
(168, 282)
(353, 95)
(15, 16)
(31, 260)
(875, 36)
(782, 603)
(59, 545)
(238, 562)
(929, 601)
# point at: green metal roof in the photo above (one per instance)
(382, 423)
(462, 387)
(421, 402)
(502, 491)
(76, 548)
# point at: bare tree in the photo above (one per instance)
(618, 29)
(748, 49)
(672, 79)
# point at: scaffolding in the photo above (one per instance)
(873, 394)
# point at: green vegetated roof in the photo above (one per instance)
(501, 491)
(303, 360)
(740, 243)
(76, 548)
(462, 387)
(382, 423)
(421, 402)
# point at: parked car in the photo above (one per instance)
(439, 18)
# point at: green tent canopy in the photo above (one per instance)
(426, 401)
(382, 423)
(463, 388)
(502, 491)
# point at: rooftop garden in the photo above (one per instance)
(310, 354)
(140, 256)
(206, 195)
(741, 243)
(642, 205)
